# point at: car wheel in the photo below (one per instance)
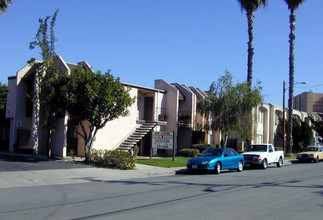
(217, 168)
(264, 164)
(316, 160)
(240, 166)
(280, 162)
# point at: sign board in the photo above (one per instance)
(162, 140)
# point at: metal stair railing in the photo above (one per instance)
(136, 135)
(125, 137)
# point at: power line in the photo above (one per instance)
(309, 87)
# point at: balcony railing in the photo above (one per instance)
(184, 119)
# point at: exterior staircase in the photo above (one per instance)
(136, 136)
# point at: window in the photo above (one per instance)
(260, 116)
(277, 118)
(233, 152)
(271, 148)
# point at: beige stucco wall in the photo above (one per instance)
(11, 97)
(21, 91)
(186, 107)
(309, 102)
(268, 128)
(171, 103)
(160, 105)
(59, 138)
(11, 110)
(115, 131)
(16, 109)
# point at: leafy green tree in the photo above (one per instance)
(45, 115)
(93, 99)
(44, 40)
(302, 133)
(292, 6)
(4, 4)
(318, 125)
(3, 98)
(230, 106)
(4, 122)
(250, 6)
(52, 98)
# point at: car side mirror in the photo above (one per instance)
(226, 155)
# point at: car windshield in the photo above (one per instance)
(261, 148)
(217, 152)
(311, 149)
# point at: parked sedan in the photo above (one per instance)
(217, 159)
(311, 153)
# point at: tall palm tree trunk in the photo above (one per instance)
(250, 16)
(292, 19)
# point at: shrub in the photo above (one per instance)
(135, 151)
(121, 160)
(203, 147)
(278, 149)
(113, 159)
(189, 152)
(72, 154)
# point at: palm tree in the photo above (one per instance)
(250, 6)
(4, 4)
(292, 6)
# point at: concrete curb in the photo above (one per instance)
(17, 155)
(138, 172)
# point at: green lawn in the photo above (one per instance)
(291, 158)
(163, 161)
(168, 161)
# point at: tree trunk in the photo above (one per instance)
(86, 149)
(87, 141)
(225, 140)
(292, 18)
(250, 16)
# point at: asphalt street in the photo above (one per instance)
(33, 189)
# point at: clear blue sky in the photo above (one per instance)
(186, 41)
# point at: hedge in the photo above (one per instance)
(189, 152)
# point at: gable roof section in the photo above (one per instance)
(143, 88)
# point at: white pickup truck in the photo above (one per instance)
(263, 155)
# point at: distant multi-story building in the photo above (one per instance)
(309, 102)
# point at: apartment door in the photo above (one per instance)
(148, 108)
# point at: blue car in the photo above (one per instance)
(217, 159)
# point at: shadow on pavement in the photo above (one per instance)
(199, 172)
(19, 159)
(28, 163)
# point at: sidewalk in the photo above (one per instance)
(52, 172)
(40, 171)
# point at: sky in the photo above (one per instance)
(184, 41)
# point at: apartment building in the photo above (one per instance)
(27, 135)
(167, 107)
(170, 107)
(266, 121)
